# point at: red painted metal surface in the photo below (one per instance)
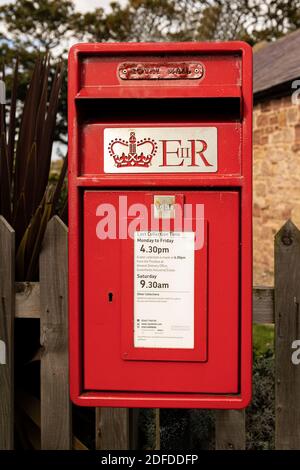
(229, 144)
(105, 368)
(162, 370)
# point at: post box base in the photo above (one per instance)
(118, 400)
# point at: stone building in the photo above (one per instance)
(276, 140)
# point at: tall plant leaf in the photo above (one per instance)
(25, 158)
(12, 119)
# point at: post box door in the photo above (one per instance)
(165, 321)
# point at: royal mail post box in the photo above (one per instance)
(160, 240)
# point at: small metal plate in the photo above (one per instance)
(160, 71)
(164, 207)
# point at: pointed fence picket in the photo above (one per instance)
(7, 313)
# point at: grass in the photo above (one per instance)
(263, 338)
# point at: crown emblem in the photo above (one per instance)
(132, 152)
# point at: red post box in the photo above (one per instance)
(160, 243)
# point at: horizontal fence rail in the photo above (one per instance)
(47, 302)
(28, 302)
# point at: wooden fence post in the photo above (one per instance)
(157, 428)
(134, 415)
(230, 430)
(112, 429)
(7, 316)
(287, 330)
(56, 410)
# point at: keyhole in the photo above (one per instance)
(110, 296)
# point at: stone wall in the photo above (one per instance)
(276, 178)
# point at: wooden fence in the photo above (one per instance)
(117, 428)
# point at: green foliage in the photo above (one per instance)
(193, 20)
(260, 417)
(38, 25)
(147, 429)
(26, 200)
(140, 20)
(273, 19)
(30, 27)
(174, 429)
